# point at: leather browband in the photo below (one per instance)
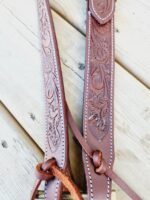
(97, 140)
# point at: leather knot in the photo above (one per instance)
(99, 163)
(43, 170)
(48, 170)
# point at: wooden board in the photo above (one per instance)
(132, 31)
(21, 89)
(18, 157)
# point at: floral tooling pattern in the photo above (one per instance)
(99, 79)
(53, 118)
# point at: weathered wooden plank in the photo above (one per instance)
(21, 70)
(132, 31)
(18, 157)
(132, 50)
(132, 112)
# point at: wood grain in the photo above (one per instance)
(18, 157)
(21, 90)
(132, 31)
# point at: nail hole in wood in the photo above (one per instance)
(81, 66)
(4, 144)
(117, 30)
(32, 116)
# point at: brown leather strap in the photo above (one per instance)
(98, 93)
(122, 184)
(47, 171)
(97, 142)
(99, 165)
(56, 120)
(102, 168)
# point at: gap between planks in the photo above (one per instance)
(6, 144)
(117, 60)
(82, 31)
(79, 24)
(19, 124)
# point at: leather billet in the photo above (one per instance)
(98, 93)
(97, 139)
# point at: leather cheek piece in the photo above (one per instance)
(102, 10)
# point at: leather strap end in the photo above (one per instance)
(102, 10)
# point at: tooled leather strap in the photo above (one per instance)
(49, 170)
(56, 112)
(100, 167)
(56, 120)
(98, 93)
(98, 102)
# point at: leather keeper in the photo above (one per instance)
(102, 10)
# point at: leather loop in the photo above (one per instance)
(97, 158)
(102, 10)
(99, 163)
(98, 103)
(43, 175)
(48, 170)
(102, 168)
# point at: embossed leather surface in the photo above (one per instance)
(56, 121)
(98, 97)
(98, 109)
(102, 10)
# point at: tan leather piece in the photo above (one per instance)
(48, 171)
(99, 165)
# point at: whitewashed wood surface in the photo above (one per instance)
(22, 127)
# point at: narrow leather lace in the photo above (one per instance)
(99, 163)
(49, 170)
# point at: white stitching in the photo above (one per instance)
(61, 108)
(86, 106)
(98, 16)
(111, 109)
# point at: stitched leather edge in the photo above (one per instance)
(102, 10)
(88, 169)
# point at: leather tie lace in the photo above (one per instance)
(49, 170)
